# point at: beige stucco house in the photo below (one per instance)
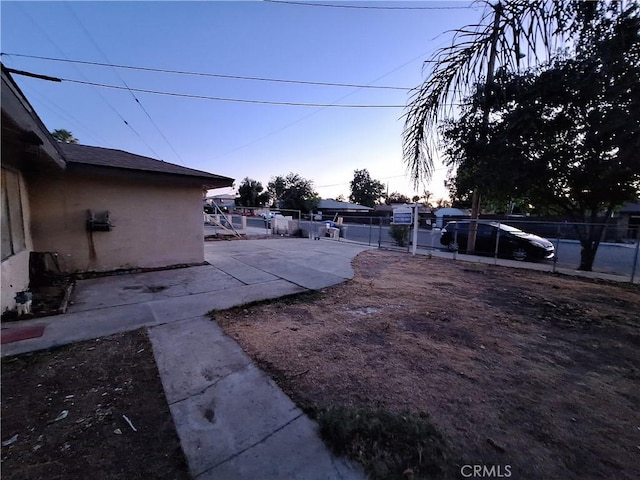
(98, 209)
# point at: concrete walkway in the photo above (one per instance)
(233, 421)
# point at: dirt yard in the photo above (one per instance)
(531, 371)
(63, 414)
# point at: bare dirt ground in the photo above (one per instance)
(516, 368)
(63, 414)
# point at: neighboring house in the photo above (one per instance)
(225, 202)
(154, 208)
(443, 215)
(330, 206)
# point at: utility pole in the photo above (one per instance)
(475, 199)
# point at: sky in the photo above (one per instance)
(377, 46)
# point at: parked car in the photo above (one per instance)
(512, 242)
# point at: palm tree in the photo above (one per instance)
(512, 34)
(64, 136)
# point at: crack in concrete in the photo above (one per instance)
(270, 273)
(262, 440)
(211, 385)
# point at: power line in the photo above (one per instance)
(127, 87)
(316, 111)
(207, 97)
(225, 99)
(97, 92)
(363, 7)
(205, 74)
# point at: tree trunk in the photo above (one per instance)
(590, 236)
(587, 256)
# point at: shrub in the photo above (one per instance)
(400, 233)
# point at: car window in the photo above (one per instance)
(460, 226)
(485, 230)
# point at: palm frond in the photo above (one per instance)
(538, 26)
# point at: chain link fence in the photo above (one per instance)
(617, 254)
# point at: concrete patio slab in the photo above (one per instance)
(308, 263)
(115, 290)
(242, 271)
(180, 308)
(306, 276)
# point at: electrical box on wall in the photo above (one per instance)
(98, 221)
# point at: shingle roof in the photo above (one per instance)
(107, 157)
(330, 204)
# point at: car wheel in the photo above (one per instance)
(453, 246)
(519, 253)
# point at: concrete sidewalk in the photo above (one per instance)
(233, 421)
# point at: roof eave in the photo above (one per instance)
(208, 182)
(16, 106)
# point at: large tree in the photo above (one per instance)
(564, 137)
(252, 194)
(293, 193)
(510, 34)
(365, 190)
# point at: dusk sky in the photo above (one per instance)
(361, 46)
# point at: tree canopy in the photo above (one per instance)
(511, 35)
(365, 190)
(252, 194)
(397, 197)
(293, 192)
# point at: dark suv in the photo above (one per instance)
(512, 242)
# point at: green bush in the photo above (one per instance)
(400, 233)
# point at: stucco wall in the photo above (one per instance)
(15, 269)
(156, 222)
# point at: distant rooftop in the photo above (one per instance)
(331, 204)
(222, 196)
